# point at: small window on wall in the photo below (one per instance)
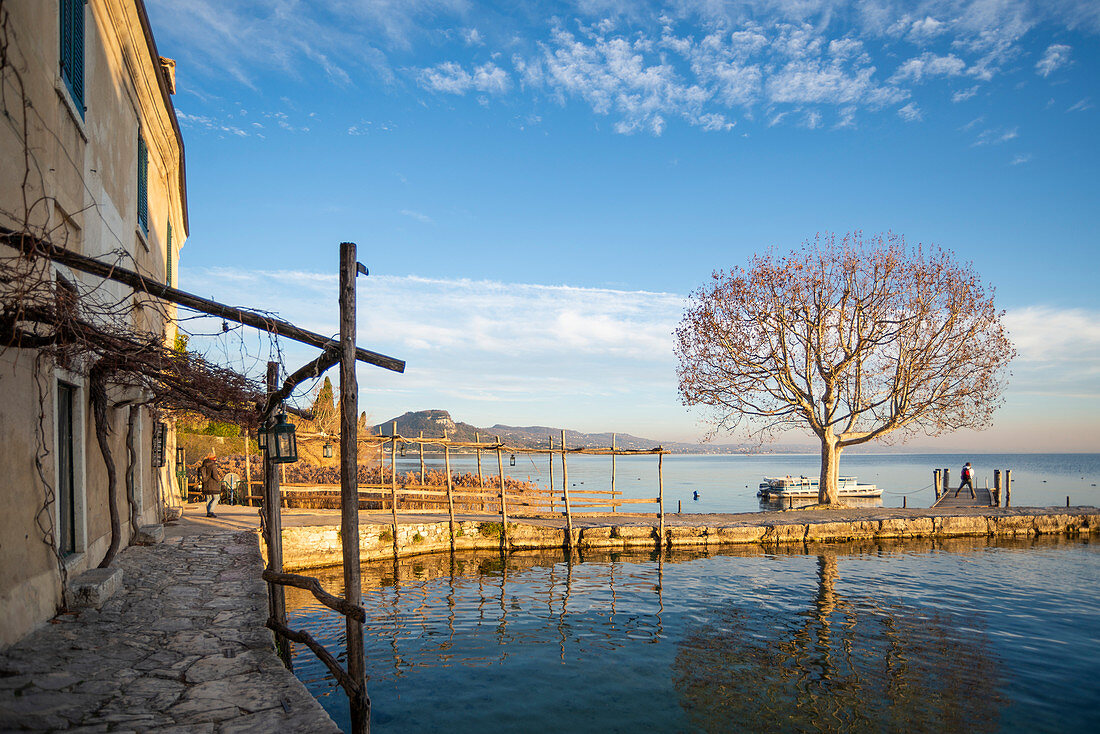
(168, 259)
(72, 49)
(143, 186)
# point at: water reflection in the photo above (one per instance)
(826, 640)
(846, 663)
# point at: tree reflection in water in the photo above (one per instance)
(849, 663)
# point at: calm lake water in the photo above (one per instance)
(728, 483)
(964, 635)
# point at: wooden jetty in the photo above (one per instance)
(947, 497)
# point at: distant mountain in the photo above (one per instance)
(436, 423)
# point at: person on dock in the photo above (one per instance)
(211, 478)
(967, 475)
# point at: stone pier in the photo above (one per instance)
(181, 647)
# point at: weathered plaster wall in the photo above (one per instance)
(82, 192)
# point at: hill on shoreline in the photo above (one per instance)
(436, 423)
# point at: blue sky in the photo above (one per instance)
(537, 188)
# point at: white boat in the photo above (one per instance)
(803, 486)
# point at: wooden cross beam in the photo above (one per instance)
(36, 247)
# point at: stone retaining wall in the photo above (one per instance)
(315, 546)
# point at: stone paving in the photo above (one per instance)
(181, 648)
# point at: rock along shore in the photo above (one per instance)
(311, 539)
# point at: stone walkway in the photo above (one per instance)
(181, 648)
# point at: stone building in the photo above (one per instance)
(91, 159)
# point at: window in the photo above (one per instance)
(72, 50)
(168, 258)
(143, 186)
(66, 472)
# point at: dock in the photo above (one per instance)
(983, 497)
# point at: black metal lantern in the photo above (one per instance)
(513, 461)
(326, 450)
(280, 441)
(403, 450)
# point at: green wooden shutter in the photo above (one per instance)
(143, 185)
(168, 258)
(72, 49)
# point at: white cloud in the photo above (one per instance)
(205, 122)
(1081, 105)
(472, 37)
(1045, 334)
(995, 136)
(929, 65)
(1020, 158)
(910, 113)
(418, 216)
(964, 94)
(1055, 57)
(452, 78)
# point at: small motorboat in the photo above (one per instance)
(778, 488)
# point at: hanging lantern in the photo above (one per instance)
(513, 461)
(280, 441)
(181, 456)
(261, 439)
(326, 450)
(403, 451)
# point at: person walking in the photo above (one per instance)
(211, 477)
(967, 480)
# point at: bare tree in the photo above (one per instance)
(854, 339)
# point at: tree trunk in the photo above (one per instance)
(131, 467)
(828, 490)
(98, 391)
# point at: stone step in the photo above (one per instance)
(149, 535)
(94, 587)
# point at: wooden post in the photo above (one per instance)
(1008, 487)
(273, 518)
(503, 500)
(247, 472)
(904, 501)
(393, 481)
(422, 478)
(937, 482)
(946, 480)
(480, 480)
(450, 498)
(553, 489)
(613, 506)
(661, 492)
(349, 489)
(565, 490)
(997, 487)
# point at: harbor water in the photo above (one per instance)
(728, 483)
(961, 635)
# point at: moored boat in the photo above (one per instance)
(803, 486)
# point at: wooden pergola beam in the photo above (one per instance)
(36, 247)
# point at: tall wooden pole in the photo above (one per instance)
(450, 497)
(1008, 487)
(553, 489)
(273, 519)
(503, 500)
(393, 482)
(349, 488)
(480, 481)
(565, 488)
(613, 507)
(247, 471)
(661, 493)
(423, 480)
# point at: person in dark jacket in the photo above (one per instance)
(967, 480)
(211, 478)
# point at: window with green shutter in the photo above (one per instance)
(168, 258)
(143, 186)
(72, 49)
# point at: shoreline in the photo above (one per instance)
(311, 538)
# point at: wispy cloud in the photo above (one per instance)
(1055, 57)
(910, 113)
(1081, 105)
(418, 216)
(452, 78)
(1020, 158)
(995, 136)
